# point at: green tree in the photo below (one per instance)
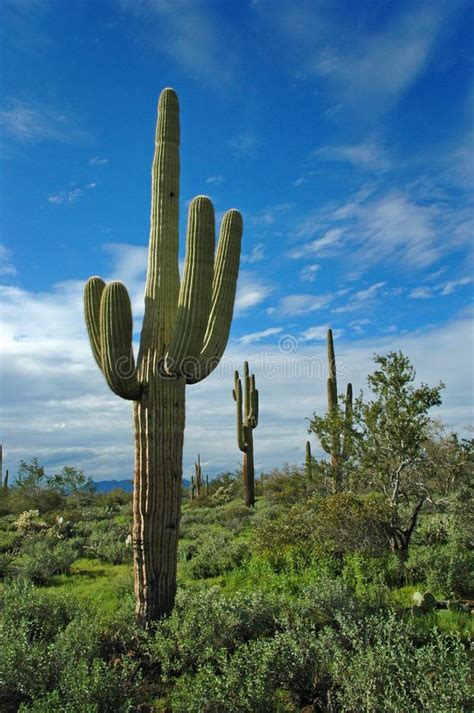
(73, 483)
(391, 445)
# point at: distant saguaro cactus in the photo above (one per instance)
(198, 475)
(184, 334)
(340, 424)
(308, 461)
(247, 420)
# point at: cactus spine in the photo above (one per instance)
(341, 432)
(184, 334)
(247, 420)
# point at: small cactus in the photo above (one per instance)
(247, 421)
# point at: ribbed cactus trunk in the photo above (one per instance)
(159, 432)
(184, 334)
(248, 470)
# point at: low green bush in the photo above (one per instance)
(380, 664)
(444, 568)
(42, 557)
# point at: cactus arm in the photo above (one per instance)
(254, 407)
(331, 357)
(226, 270)
(162, 283)
(237, 394)
(246, 381)
(196, 289)
(116, 330)
(93, 291)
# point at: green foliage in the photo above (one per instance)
(213, 554)
(444, 568)
(328, 525)
(375, 666)
(42, 557)
(55, 655)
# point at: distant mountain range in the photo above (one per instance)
(105, 486)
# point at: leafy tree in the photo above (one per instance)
(72, 482)
(31, 489)
(390, 447)
(449, 459)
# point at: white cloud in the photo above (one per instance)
(244, 145)
(271, 214)
(368, 292)
(188, 32)
(215, 180)
(257, 254)
(324, 246)
(35, 121)
(259, 336)
(251, 291)
(449, 287)
(7, 268)
(358, 325)
(365, 155)
(421, 293)
(367, 69)
(309, 273)
(98, 161)
(69, 196)
(57, 406)
(298, 304)
(360, 299)
(319, 333)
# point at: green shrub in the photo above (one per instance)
(43, 557)
(55, 655)
(216, 553)
(444, 568)
(378, 664)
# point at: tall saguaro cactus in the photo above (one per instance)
(340, 423)
(247, 420)
(184, 334)
(198, 477)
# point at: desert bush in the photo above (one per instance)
(432, 529)
(379, 664)
(333, 524)
(205, 622)
(42, 557)
(252, 679)
(444, 568)
(216, 553)
(55, 655)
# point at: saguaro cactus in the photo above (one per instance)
(308, 461)
(198, 476)
(247, 420)
(184, 334)
(340, 423)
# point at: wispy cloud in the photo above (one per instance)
(319, 333)
(36, 121)
(259, 336)
(251, 291)
(449, 287)
(244, 145)
(98, 161)
(421, 293)
(309, 273)
(330, 241)
(368, 69)
(270, 215)
(70, 196)
(361, 298)
(257, 254)
(367, 155)
(7, 268)
(188, 32)
(301, 303)
(215, 180)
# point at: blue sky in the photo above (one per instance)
(343, 132)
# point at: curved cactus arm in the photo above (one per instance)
(237, 394)
(93, 291)
(116, 328)
(196, 290)
(226, 270)
(162, 282)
